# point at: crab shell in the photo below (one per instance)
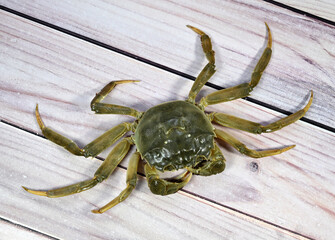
(174, 135)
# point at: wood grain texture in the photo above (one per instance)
(28, 160)
(321, 8)
(62, 73)
(303, 57)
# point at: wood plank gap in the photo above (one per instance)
(21, 128)
(97, 43)
(27, 228)
(296, 10)
(187, 193)
(304, 119)
(241, 214)
(160, 66)
(234, 211)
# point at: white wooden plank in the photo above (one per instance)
(10, 230)
(61, 73)
(321, 8)
(28, 160)
(303, 54)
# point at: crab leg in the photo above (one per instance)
(90, 150)
(243, 89)
(104, 108)
(131, 183)
(216, 164)
(253, 127)
(244, 150)
(208, 70)
(164, 187)
(103, 172)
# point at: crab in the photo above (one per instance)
(170, 136)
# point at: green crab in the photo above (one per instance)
(170, 136)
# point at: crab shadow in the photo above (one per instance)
(246, 75)
(198, 64)
(195, 65)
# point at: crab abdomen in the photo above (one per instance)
(174, 135)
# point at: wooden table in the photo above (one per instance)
(60, 53)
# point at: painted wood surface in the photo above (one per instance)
(28, 160)
(10, 230)
(320, 8)
(303, 57)
(62, 73)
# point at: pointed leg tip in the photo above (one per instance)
(289, 147)
(36, 110)
(270, 35)
(135, 81)
(309, 102)
(128, 81)
(196, 30)
(191, 27)
(267, 27)
(124, 81)
(39, 193)
(96, 211)
(311, 98)
(38, 118)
